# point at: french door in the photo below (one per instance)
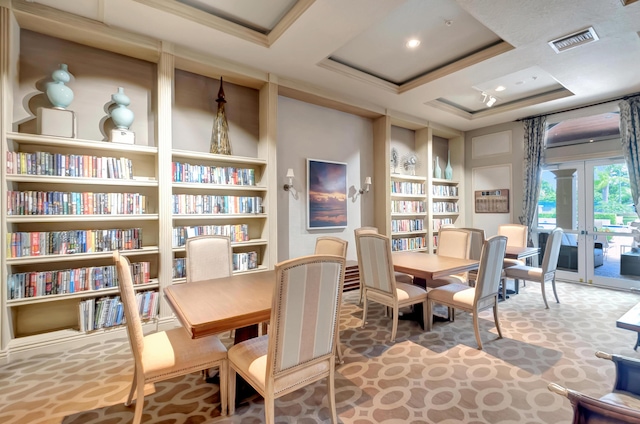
(591, 201)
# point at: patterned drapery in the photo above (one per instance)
(630, 133)
(534, 129)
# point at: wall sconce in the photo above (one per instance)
(360, 192)
(367, 184)
(290, 175)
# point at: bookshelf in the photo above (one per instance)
(171, 90)
(440, 197)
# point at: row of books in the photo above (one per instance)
(61, 165)
(407, 206)
(241, 262)
(440, 207)
(44, 283)
(236, 232)
(42, 243)
(408, 243)
(71, 203)
(404, 187)
(402, 225)
(438, 223)
(214, 204)
(444, 190)
(108, 312)
(188, 173)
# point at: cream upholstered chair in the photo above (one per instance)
(516, 235)
(547, 272)
(333, 246)
(474, 299)
(378, 278)
(401, 277)
(208, 257)
(455, 243)
(165, 354)
(300, 346)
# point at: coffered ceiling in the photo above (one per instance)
(355, 50)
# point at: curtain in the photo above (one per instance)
(630, 133)
(534, 129)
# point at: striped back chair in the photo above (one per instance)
(474, 299)
(300, 346)
(455, 243)
(378, 281)
(516, 235)
(327, 245)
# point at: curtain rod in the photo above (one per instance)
(625, 97)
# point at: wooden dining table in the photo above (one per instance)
(239, 302)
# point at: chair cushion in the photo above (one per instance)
(457, 295)
(622, 399)
(401, 277)
(507, 263)
(173, 352)
(448, 279)
(409, 291)
(522, 272)
(250, 356)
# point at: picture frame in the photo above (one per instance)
(492, 201)
(326, 194)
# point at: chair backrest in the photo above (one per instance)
(304, 311)
(490, 268)
(208, 257)
(366, 230)
(331, 246)
(375, 263)
(516, 234)
(454, 242)
(477, 241)
(552, 250)
(131, 311)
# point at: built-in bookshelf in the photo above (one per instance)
(68, 202)
(408, 212)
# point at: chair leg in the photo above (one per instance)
(452, 313)
(231, 389)
(476, 329)
(133, 387)
(364, 311)
(553, 285)
(331, 394)
(265, 327)
(338, 349)
(137, 415)
(428, 316)
(544, 295)
(394, 325)
(504, 288)
(495, 318)
(269, 409)
(224, 383)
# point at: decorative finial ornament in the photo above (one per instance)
(220, 135)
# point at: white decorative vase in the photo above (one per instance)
(448, 171)
(437, 171)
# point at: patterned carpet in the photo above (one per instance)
(437, 377)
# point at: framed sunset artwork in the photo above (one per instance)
(326, 194)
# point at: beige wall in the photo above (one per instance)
(310, 131)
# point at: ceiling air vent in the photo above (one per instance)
(576, 39)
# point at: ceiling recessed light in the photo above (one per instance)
(500, 88)
(413, 43)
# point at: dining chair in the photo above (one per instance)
(621, 405)
(516, 235)
(379, 281)
(455, 243)
(327, 245)
(547, 271)
(300, 347)
(165, 354)
(208, 256)
(474, 299)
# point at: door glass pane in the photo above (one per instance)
(615, 223)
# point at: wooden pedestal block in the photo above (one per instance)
(56, 122)
(122, 136)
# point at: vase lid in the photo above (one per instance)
(221, 98)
